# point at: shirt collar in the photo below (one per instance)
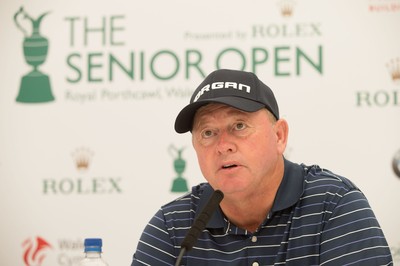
(289, 192)
(291, 187)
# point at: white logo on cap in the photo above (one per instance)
(222, 85)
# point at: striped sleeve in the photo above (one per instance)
(352, 235)
(155, 246)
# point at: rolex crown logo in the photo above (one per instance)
(286, 8)
(82, 157)
(394, 69)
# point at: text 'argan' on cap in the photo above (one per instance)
(238, 89)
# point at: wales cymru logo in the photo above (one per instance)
(35, 251)
(35, 85)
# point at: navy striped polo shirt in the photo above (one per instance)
(318, 218)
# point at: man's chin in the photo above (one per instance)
(232, 188)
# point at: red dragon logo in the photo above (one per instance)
(34, 248)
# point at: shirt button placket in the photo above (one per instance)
(254, 240)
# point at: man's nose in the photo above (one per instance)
(226, 143)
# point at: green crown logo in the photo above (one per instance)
(35, 86)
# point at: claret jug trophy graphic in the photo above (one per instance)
(35, 86)
(179, 184)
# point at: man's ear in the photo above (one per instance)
(282, 132)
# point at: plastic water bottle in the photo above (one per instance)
(93, 253)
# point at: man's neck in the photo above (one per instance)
(248, 211)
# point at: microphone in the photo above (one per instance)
(199, 224)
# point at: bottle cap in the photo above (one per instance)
(93, 244)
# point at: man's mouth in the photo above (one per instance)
(228, 166)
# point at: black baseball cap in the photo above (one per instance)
(238, 89)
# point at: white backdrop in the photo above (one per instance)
(98, 159)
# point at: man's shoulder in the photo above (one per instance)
(318, 178)
(189, 200)
(324, 192)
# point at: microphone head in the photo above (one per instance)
(218, 193)
(201, 221)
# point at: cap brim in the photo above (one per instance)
(184, 120)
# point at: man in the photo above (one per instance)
(274, 211)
